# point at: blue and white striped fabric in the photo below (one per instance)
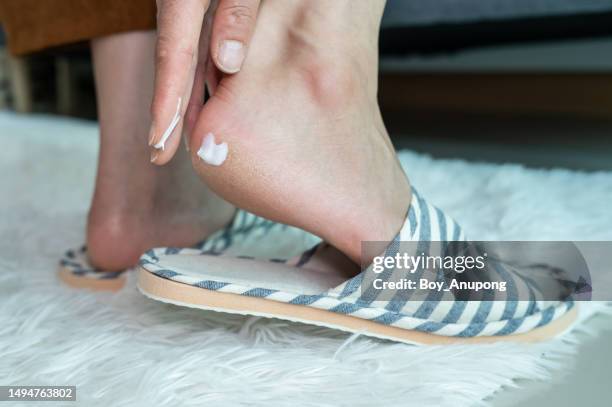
(243, 228)
(424, 224)
(76, 262)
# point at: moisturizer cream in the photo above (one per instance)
(212, 153)
(161, 145)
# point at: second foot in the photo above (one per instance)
(139, 211)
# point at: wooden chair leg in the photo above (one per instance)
(21, 86)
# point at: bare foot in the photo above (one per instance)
(137, 205)
(306, 141)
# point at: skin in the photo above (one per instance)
(307, 145)
(192, 48)
(303, 99)
(135, 205)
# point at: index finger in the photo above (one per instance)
(179, 23)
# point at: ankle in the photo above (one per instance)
(337, 63)
(379, 220)
(331, 85)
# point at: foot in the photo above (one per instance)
(306, 144)
(135, 209)
(136, 205)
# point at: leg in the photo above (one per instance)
(306, 141)
(136, 205)
(306, 145)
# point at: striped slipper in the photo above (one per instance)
(245, 234)
(322, 287)
(75, 271)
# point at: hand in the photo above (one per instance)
(197, 41)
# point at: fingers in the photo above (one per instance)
(213, 77)
(179, 25)
(196, 101)
(232, 31)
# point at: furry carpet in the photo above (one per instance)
(126, 350)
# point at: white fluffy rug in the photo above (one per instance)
(126, 350)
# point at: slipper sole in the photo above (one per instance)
(95, 284)
(164, 290)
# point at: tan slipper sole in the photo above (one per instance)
(94, 284)
(173, 292)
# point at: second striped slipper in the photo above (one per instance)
(245, 234)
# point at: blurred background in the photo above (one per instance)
(519, 81)
(527, 81)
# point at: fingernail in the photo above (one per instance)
(151, 136)
(154, 155)
(161, 144)
(231, 55)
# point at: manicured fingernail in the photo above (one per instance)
(231, 55)
(151, 136)
(154, 155)
(161, 144)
